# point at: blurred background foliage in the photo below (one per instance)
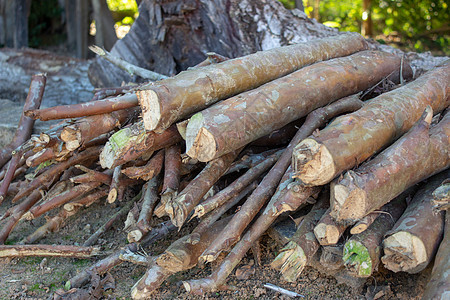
(407, 24)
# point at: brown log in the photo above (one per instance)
(149, 282)
(280, 136)
(293, 197)
(190, 91)
(327, 231)
(441, 196)
(84, 109)
(249, 161)
(270, 182)
(102, 93)
(56, 170)
(12, 167)
(294, 256)
(47, 251)
(364, 223)
(253, 114)
(236, 186)
(92, 176)
(414, 240)
(40, 157)
(88, 128)
(439, 284)
(349, 140)
(133, 142)
(114, 219)
(150, 198)
(115, 183)
(55, 223)
(362, 252)
(26, 124)
(60, 199)
(414, 157)
(171, 182)
(148, 171)
(181, 206)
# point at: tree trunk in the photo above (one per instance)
(351, 139)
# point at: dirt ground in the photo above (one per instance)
(38, 278)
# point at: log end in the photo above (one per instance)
(348, 204)
(134, 236)
(112, 195)
(200, 143)
(357, 259)
(173, 262)
(290, 261)
(326, 234)
(151, 280)
(151, 108)
(313, 163)
(404, 252)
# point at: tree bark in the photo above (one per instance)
(414, 157)
(415, 238)
(213, 131)
(47, 251)
(188, 92)
(149, 170)
(171, 182)
(351, 139)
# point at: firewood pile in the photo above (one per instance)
(241, 145)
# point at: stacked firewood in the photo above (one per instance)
(254, 121)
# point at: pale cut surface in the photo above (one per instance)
(313, 163)
(403, 252)
(326, 234)
(151, 110)
(348, 204)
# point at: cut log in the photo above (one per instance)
(47, 251)
(149, 170)
(269, 184)
(414, 157)
(327, 231)
(239, 120)
(362, 252)
(175, 98)
(439, 285)
(133, 142)
(293, 258)
(351, 139)
(364, 223)
(88, 128)
(25, 126)
(172, 165)
(181, 206)
(84, 109)
(415, 238)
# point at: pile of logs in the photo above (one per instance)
(253, 133)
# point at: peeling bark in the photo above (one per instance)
(147, 171)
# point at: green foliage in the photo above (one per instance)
(44, 23)
(118, 5)
(411, 25)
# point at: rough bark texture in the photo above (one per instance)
(439, 285)
(162, 27)
(172, 164)
(414, 157)
(270, 182)
(133, 142)
(327, 231)
(188, 92)
(147, 171)
(181, 206)
(351, 139)
(414, 240)
(293, 258)
(25, 126)
(239, 120)
(362, 252)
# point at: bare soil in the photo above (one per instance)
(38, 278)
